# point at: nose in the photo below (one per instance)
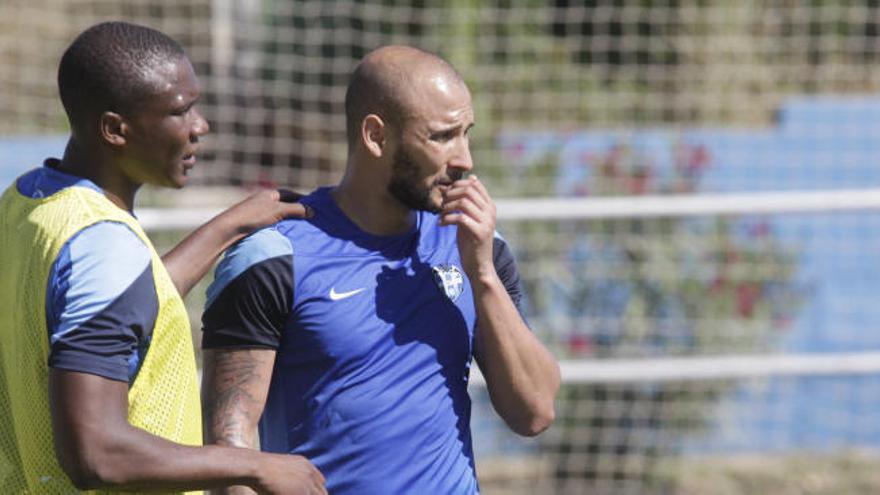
(200, 125)
(462, 160)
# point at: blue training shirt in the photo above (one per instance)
(101, 302)
(375, 341)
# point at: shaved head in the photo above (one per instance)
(388, 82)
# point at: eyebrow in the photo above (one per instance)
(451, 128)
(188, 103)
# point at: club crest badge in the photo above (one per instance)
(450, 280)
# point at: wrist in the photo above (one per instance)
(227, 228)
(483, 277)
(227, 223)
(250, 465)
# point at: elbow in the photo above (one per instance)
(84, 475)
(542, 413)
(89, 469)
(536, 422)
(540, 422)
(84, 481)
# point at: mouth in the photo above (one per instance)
(189, 160)
(445, 182)
(444, 189)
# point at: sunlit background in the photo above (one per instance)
(711, 344)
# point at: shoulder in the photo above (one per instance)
(264, 243)
(107, 250)
(259, 247)
(45, 181)
(98, 264)
(101, 300)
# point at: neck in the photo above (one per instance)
(90, 163)
(367, 203)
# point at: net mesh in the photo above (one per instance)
(775, 285)
(585, 99)
(274, 71)
(781, 435)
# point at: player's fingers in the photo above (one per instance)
(452, 218)
(481, 188)
(318, 483)
(288, 196)
(477, 230)
(472, 188)
(485, 200)
(261, 196)
(311, 469)
(476, 184)
(465, 205)
(460, 184)
(467, 190)
(319, 475)
(296, 210)
(322, 489)
(474, 204)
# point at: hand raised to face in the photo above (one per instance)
(468, 205)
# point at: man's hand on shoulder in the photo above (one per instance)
(265, 208)
(188, 262)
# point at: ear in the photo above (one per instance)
(113, 128)
(374, 135)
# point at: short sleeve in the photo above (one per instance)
(505, 267)
(251, 297)
(101, 302)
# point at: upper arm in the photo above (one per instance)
(248, 306)
(251, 297)
(87, 410)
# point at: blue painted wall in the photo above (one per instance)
(817, 143)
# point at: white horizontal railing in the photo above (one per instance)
(688, 205)
(519, 209)
(712, 368)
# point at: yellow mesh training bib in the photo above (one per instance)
(163, 399)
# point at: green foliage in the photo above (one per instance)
(630, 288)
(644, 287)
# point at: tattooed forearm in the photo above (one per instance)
(234, 393)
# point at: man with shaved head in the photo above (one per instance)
(349, 336)
(98, 383)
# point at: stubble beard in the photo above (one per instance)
(405, 184)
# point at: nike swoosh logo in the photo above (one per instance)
(338, 296)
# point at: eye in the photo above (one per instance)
(444, 136)
(181, 111)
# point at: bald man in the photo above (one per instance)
(349, 337)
